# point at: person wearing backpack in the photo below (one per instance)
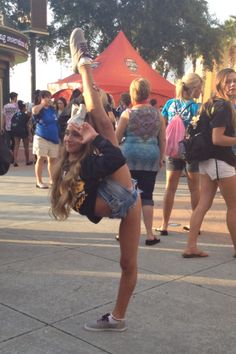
(219, 169)
(20, 131)
(9, 110)
(181, 110)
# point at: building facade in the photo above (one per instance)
(13, 50)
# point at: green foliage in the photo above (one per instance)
(167, 30)
(164, 32)
(9, 9)
(229, 31)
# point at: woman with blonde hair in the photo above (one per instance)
(219, 170)
(93, 179)
(141, 132)
(187, 89)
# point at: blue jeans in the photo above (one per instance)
(117, 197)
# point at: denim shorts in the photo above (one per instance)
(173, 164)
(117, 197)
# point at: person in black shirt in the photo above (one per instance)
(92, 177)
(219, 170)
(20, 130)
(62, 115)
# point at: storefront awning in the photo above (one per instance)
(13, 44)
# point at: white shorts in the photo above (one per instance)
(43, 147)
(216, 169)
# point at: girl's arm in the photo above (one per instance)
(218, 137)
(94, 105)
(37, 108)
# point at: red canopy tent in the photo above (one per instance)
(116, 67)
(66, 93)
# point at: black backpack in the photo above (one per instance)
(6, 157)
(197, 144)
(18, 125)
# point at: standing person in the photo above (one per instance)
(143, 146)
(9, 110)
(60, 105)
(46, 137)
(107, 106)
(125, 101)
(233, 101)
(62, 115)
(93, 178)
(188, 88)
(20, 128)
(219, 170)
(75, 99)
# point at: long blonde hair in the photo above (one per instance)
(187, 85)
(221, 79)
(64, 181)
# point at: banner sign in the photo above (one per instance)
(13, 40)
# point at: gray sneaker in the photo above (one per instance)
(78, 48)
(103, 324)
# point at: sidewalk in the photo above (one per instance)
(54, 276)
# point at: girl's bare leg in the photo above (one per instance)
(129, 234)
(228, 190)
(16, 148)
(39, 169)
(194, 188)
(172, 181)
(51, 164)
(148, 220)
(26, 149)
(208, 191)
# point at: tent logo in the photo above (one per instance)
(132, 65)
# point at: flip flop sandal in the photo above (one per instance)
(162, 232)
(152, 242)
(187, 228)
(194, 255)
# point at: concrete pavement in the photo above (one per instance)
(56, 275)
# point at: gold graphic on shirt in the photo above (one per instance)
(79, 187)
(80, 194)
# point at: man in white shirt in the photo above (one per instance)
(9, 110)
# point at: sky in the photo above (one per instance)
(52, 71)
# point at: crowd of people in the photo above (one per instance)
(103, 161)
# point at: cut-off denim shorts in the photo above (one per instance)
(119, 198)
(173, 164)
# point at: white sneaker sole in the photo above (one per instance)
(91, 329)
